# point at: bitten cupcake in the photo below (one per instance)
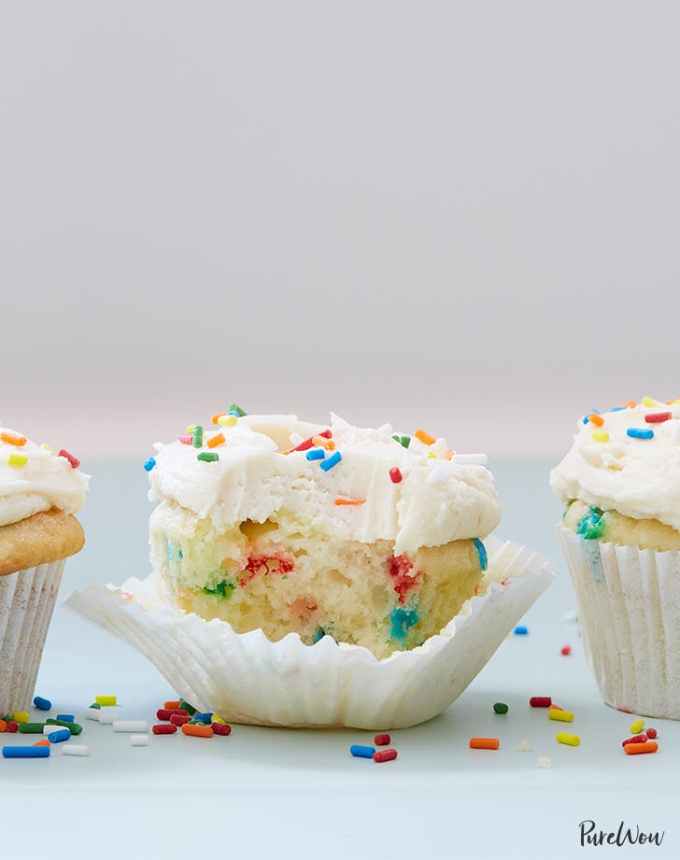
(319, 574)
(620, 483)
(39, 494)
(369, 537)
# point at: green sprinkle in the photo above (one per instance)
(197, 436)
(405, 441)
(96, 706)
(500, 708)
(222, 589)
(235, 409)
(74, 728)
(31, 728)
(185, 706)
(592, 525)
(207, 457)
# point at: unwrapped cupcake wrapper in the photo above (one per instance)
(629, 604)
(248, 679)
(27, 600)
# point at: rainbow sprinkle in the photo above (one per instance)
(331, 461)
(636, 433)
(208, 457)
(149, 464)
(197, 436)
(17, 460)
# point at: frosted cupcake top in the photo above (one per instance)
(626, 460)
(362, 484)
(33, 478)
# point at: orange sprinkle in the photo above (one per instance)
(450, 455)
(424, 437)
(342, 501)
(43, 743)
(11, 439)
(330, 445)
(172, 705)
(322, 442)
(3, 726)
(214, 441)
(597, 420)
(484, 743)
(631, 404)
(196, 731)
(216, 418)
(637, 749)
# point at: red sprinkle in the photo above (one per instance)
(179, 719)
(164, 729)
(221, 728)
(658, 417)
(384, 755)
(395, 475)
(636, 739)
(400, 567)
(163, 714)
(382, 740)
(304, 446)
(566, 650)
(651, 733)
(74, 461)
(327, 434)
(540, 701)
(12, 726)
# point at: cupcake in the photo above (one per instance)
(319, 574)
(39, 494)
(276, 524)
(620, 483)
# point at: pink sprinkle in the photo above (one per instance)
(185, 440)
(395, 475)
(74, 461)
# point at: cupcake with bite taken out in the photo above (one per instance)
(620, 483)
(40, 492)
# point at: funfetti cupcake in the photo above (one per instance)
(319, 574)
(620, 483)
(40, 492)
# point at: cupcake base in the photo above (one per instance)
(629, 604)
(248, 679)
(27, 600)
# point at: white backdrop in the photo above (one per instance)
(457, 215)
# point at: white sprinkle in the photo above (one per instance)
(47, 730)
(524, 746)
(157, 446)
(471, 459)
(75, 749)
(108, 715)
(92, 714)
(139, 740)
(570, 616)
(544, 761)
(130, 726)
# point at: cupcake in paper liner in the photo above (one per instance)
(39, 494)
(319, 574)
(620, 534)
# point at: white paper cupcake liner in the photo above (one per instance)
(27, 601)
(248, 679)
(629, 603)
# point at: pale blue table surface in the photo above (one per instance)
(280, 793)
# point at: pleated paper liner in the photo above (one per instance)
(27, 600)
(629, 605)
(248, 679)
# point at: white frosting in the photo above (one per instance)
(253, 479)
(45, 481)
(638, 478)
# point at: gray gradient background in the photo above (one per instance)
(462, 215)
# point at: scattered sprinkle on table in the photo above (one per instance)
(651, 732)
(164, 729)
(641, 749)
(521, 630)
(106, 701)
(560, 715)
(636, 739)
(382, 740)
(569, 740)
(380, 756)
(26, 752)
(500, 708)
(42, 704)
(361, 751)
(540, 702)
(139, 740)
(544, 761)
(637, 726)
(484, 743)
(565, 651)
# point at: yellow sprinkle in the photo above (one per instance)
(566, 738)
(431, 455)
(649, 401)
(227, 420)
(424, 437)
(46, 447)
(600, 436)
(190, 429)
(106, 701)
(21, 716)
(216, 718)
(561, 716)
(17, 460)
(636, 727)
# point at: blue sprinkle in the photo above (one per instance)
(59, 736)
(42, 704)
(170, 551)
(26, 752)
(318, 635)
(66, 718)
(149, 464)
(636, 433)
(586, 420)
(206, 718)
(333, 460)
(401, 620)
(316, 454)
(359, 751)
(618, 409)
(521, 630)
(481, 552)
